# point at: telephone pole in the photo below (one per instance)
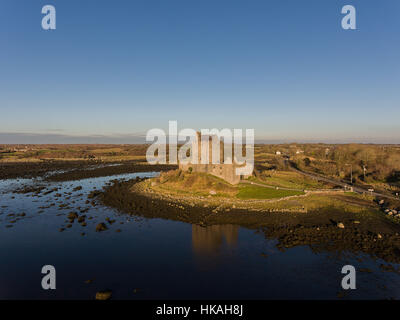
(351, 172)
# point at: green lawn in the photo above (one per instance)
(257, 192)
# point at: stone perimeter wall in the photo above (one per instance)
(226, 172)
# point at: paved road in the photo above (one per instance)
(343, 184)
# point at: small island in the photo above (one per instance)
(287, 204)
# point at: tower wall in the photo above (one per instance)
(224, 171)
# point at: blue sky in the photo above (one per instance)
(114, 69)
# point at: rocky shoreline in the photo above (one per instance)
(58, 171)
(326, 229)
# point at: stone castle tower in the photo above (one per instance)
(226, 171)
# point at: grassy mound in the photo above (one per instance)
(202, 184)
(177, 181)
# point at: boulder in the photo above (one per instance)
(103, 295)
(101, 227)
(72, 216)
(340, 225)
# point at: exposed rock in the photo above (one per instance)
(72, 215)
(101, 227)
(110, 221)
(103, 295)
(94, 194)
(387, 268)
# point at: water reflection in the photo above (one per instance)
(215, 262)
(207, 242)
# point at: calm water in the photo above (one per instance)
(162, 259)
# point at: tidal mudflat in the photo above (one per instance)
(151, 257)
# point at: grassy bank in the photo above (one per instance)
(205, 185)
(258, 192)
(331, 223)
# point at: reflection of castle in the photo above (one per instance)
(207, 240)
